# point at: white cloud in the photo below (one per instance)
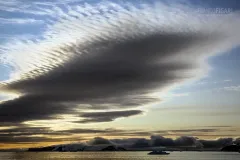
(37, 8)
(216, 82)
(19, 21)
(71, 30)
(232, 88)
(227, 80)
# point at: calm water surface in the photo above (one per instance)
(118, 156)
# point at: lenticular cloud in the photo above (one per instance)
(110, 56)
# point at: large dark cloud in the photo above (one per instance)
(29, 108)
(111, 74)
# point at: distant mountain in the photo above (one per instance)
(42, 149)
(69, 148)
(231, 148)
(113, 148)
(59, 148)
(76, 148)
(13, 150)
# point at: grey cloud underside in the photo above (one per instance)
(28, 108)
(115, 73)
(31, 108)
(156, 141)
(107, 116)
(30, 140)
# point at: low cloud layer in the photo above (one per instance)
(158, 141)
(23, 134)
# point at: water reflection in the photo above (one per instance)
(118, 156)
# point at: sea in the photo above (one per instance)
(118, 156)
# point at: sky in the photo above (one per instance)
(77, 70)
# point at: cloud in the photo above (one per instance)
(19, 21)
(180, 141)
(93, 131)
(216, 82)
(141, 143)
(99, 140)
(217, 143)
(19, 133)
(187, 141)
(28, 108)
(162, 141)
(107, 57)
(232, 88)
(237, 141)
(219, 126)
(107, 116)
(194, 130)
(35, 7)
(24, 131)
(158, 141)
(25, 134)
(227, 80)
(34, 140)
(155, 142)
(183, 141)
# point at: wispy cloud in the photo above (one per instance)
(215, 82)
(34, 7)
(19, 21)
(232, 88)
(227, 80)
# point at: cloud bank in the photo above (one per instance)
(26, 135)
(160, 141)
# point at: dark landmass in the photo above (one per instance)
(66, 148)
(69, 148)
(231, 148)
(43, 149)
(107, 147)
(13, 150)
(113, 148)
